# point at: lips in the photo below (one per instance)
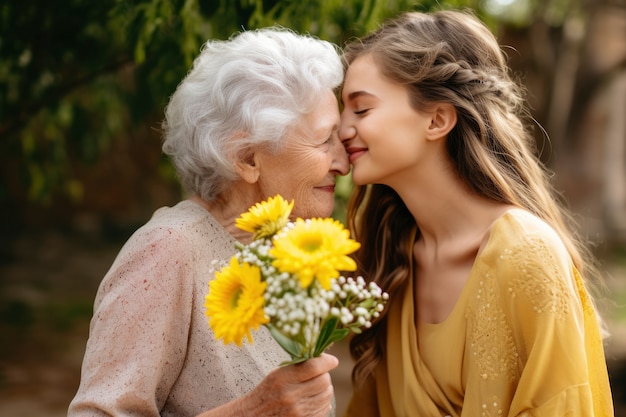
(354, 153)
(330, 188)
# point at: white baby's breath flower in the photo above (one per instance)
(361, 311)
(300, 314)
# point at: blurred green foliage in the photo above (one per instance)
(74, 77)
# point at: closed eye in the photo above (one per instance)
(333, 135)
(361, 111)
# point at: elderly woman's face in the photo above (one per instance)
(306, 168)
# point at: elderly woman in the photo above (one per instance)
(255, 117)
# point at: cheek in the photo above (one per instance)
(311, 168)
(290, 184)
(276, 181)
(373, 130)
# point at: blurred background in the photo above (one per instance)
(82, 90)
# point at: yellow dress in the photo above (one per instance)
(522, 340)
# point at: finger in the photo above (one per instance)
(316, 366)
(318, 404)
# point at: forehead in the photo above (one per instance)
(363, 64)
(364, 80)
(322, 120)
(363, 71)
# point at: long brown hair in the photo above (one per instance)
(452, 57)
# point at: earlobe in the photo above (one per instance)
(443, 119)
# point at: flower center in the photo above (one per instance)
(312, 244)
(234, 300)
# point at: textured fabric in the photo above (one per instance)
(522, 340)
(150, 350)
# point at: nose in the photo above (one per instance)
(340, 163)
(347, 130)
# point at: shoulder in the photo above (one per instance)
(174, 246)
(518, 224)
(521, 237)
(529, 262)
(181, 228)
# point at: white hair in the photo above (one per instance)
(240, 95)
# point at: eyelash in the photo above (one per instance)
(361, 111)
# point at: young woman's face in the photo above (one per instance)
(305, 170)
(383, 134)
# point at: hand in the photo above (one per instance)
(301, 390)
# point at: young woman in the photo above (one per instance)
(489, 314)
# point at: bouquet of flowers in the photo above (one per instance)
(288, 279)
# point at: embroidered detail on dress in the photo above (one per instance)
(492, 408)
(539, 279)
(492, 344)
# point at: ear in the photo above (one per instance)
(247, 166)
(443, 119)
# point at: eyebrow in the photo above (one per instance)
(355, 94)
(329, 132)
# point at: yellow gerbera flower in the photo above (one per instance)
(314, 249)
(234, 304)
(266, 218)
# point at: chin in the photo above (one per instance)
(358, 181)
(314, 212)
(356, 178)
(327, 213)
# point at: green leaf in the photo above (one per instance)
(335, 336)
(294, 361)
(355, 329)
(338, 335)
(325, 333)
(329, 334)
(293, 348)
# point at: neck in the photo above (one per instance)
(226, 211)
(448, 213)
